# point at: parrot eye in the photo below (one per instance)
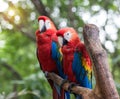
(68, 36)
(41, 24)
(47, 24)
(68, 33)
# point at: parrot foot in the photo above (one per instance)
(72, 84)
(63, 82)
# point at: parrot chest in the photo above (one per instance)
(67, 66)
(44, 48)
(44, 52)
(45, 58)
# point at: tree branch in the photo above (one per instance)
(15, 74)
(18, 27)
(104, 80)
(12, 70)
(85, 92)
(71, 14)
(41, 9)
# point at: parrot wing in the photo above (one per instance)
(57, 56)
(81, 68)
(37, 53)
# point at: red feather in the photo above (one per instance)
(74, 45)
(44, 42)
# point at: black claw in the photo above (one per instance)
(63, 82)
(72, 84)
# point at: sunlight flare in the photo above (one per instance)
(3, 6)
(11, 13)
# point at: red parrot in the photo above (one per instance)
(77, 65)
(48, 52)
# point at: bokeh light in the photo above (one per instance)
(11, 13)
(3, 6)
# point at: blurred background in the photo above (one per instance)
(20, 75)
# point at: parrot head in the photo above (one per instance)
(45, 23)
(46, 28)
(67, 36)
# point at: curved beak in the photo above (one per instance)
(64, 41)
(43, 29)
(42, 26)
(60, 41)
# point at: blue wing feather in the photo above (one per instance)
(54, 50)
(56, 55)
(79, 71)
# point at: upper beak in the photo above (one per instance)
(42, 26)
(60, 41)
(43, 29)
(65, 41)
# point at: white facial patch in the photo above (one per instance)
(47, 24)
(60, 40)
(68, 36)
(41, 24)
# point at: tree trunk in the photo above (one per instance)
(104, 81)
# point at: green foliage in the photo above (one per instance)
(18, 49)
(34, 86)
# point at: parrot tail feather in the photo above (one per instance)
(55, 94)
(61, 93)
(67, 95)
(58, 89)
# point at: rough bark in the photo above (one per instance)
(104, 80)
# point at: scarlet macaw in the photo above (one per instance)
(48, 53)
(77, 65)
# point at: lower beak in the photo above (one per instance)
(62, 41)
(65, 41)
(43, 29)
